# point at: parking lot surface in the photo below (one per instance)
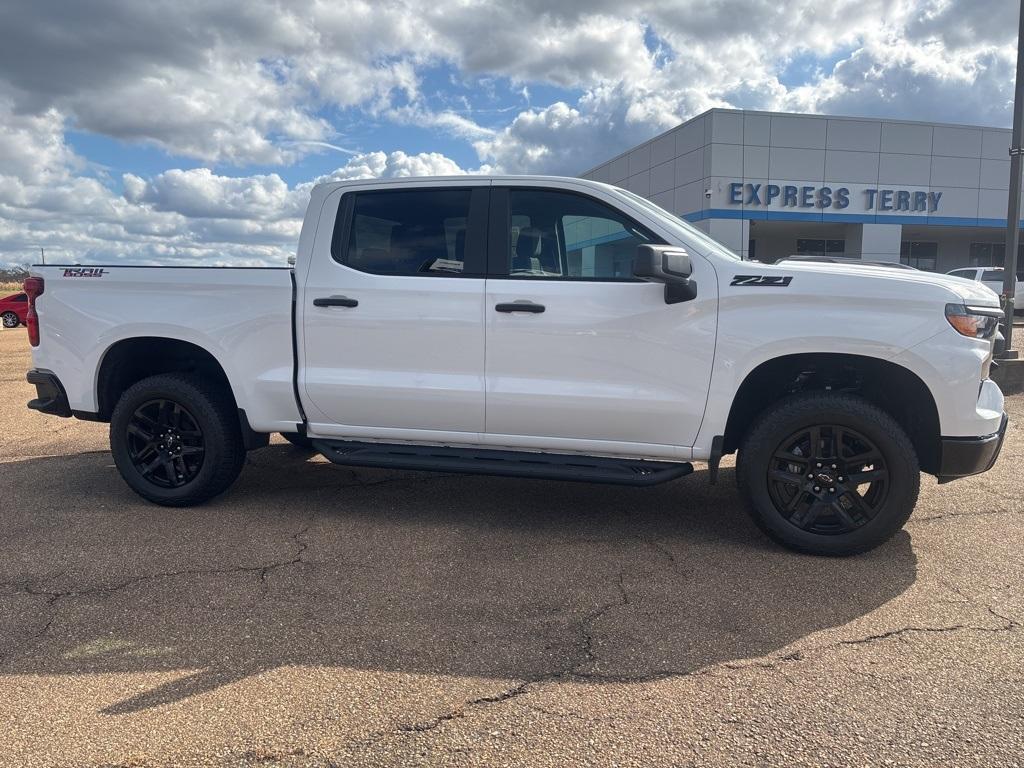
(319, 616)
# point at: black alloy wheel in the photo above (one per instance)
(165, 443)
(828, 479)
(828, 473)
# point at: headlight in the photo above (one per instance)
(975, 322)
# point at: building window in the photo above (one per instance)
(919, 255)
(993, 254)
(807, 247)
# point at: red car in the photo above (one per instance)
(13, 310)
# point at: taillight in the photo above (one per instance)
(33, 287)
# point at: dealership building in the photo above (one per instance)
(770, 185)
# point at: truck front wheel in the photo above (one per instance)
(176, 440)
(828, 473)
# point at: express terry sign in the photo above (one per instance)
(871, 199)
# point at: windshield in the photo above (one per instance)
(687, 229)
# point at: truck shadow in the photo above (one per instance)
(303, 563)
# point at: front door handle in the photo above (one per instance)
(520, 306)
(335, 301)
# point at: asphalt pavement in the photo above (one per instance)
(318, 616)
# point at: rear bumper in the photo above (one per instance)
(50, 395)
(964, 456)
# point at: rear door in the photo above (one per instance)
(579, 353)
(392, 342)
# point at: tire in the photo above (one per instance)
(197, 416)
(10, 320)
(841, 517)
(299, 441)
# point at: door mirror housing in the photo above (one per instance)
(668, 264)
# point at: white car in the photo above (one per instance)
(993, 278)
(537, 327)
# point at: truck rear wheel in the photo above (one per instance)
(828, 473)
(176, 440)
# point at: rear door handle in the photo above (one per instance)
(520, 306)
(335, 301)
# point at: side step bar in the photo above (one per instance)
(544, 466)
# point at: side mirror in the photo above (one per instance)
(668, 264)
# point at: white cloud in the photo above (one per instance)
(178, 216)
(201, 194)
(381, 165)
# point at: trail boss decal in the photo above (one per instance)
(777, 281)
(85, 272)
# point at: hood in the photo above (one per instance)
(967, 291)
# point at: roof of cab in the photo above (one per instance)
(503, 178)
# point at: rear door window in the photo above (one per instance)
(412, 232)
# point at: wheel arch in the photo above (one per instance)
(892, 387)
(132, 359)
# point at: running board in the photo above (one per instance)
(543, 466)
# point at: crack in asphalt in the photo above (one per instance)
(263, 570)
(947, 515)
(30, 456)
(657, 546)
(302, 546)
(588, 652)
(27, 586)
(455, 714)
(524, 687)
(572, 671)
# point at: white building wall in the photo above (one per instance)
(964, 169)
(880, 242)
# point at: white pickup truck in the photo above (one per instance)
(538, 327)
(993, 278)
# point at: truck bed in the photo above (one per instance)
(240, 315)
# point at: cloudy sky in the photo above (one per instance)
(190, 131)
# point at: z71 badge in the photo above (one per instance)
(777, 281)
(85, 272)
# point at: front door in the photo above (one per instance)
(392, 343)
(579, 353)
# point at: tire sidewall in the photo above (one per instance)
(209, 421)
(6, 320)
(801, 412)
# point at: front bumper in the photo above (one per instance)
(50, 395)
(964, 456)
